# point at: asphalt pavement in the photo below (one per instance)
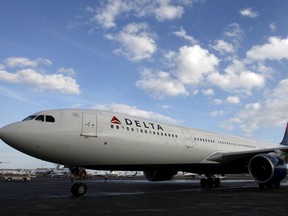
(51, 196)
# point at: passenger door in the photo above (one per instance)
(189, 141)
(89, 125)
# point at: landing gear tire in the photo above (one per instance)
(79, 189)
(217, 182)
(210, 182)
(203, 182)
(269, 185)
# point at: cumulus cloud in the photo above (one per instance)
(208, 91)
(234, 32)
(182, 34)
(233, 100)
(31, 77)
(193, 63)
(68, 71)
(269, 113)
(223, 47)
(137, 43)
(248, 12)
(166, 11)
(160, 84)
(160, 9)
(134, 111)
(106, 15)
(238, 77)
(217, 113)
(194, 67)
(189, 68)
(275, 49)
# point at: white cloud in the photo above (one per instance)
(217, 113)
(208, 92)
(193, 63)
(28, 75)
(182, 34)
(238, 77)
(189, 67)
(22, 62)
(160, 84)
(68, 71)
(136, 42)
(223, 47)
(134, 111)
(234, 32)
(272, 27)
(233, 100)
(106, 16)
(160, 9)
(248, 12)
(275, 49)
(269, 113)
(166, 11)
(49, 82)
(217, 101)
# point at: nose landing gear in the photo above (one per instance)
(79, 188)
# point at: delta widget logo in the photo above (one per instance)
(115, 120)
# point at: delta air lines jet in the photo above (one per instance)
(110, 141)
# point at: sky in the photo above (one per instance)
(219, 65)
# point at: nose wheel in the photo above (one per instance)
(79, 189)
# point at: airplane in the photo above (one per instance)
(89, 139)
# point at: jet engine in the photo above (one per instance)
(159, 175)
(267, 169)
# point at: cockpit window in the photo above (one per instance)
(29, 118)
(40, 118)
(50, 118)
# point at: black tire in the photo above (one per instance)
(277, 184)
(78, 189)
(210, 182)
(261, 185)
(217, 182)
(203, 182)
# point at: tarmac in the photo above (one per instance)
(51, 196)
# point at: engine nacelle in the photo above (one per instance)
(159, 175)
(265, 168)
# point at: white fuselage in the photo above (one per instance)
(91, 138)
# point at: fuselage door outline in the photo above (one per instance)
(189, 141)
(89, 125)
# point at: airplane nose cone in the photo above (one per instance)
(9, 133)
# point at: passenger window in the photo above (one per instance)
(40, 118)
(50, 118)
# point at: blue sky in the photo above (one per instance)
(217, 65)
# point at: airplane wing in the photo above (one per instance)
(230, 157)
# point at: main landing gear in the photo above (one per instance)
(79, 188)
(269, 185)
(210, 181)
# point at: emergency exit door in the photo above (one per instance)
(89, 125)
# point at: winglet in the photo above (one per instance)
(285, 138)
